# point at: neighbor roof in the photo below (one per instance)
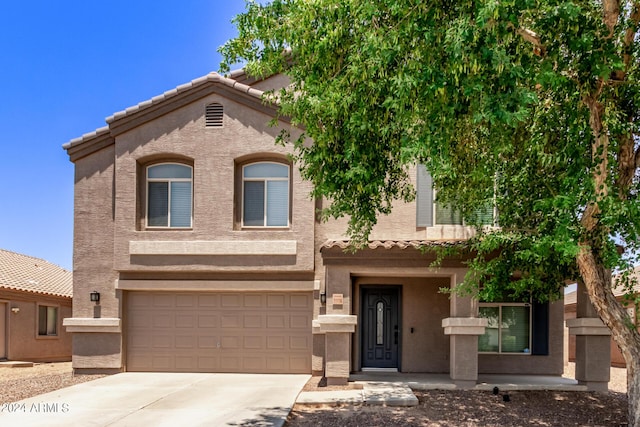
(571, 297)
(29, 274)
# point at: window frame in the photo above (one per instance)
(148, 180)
(56, 325)
(426, 204)
(500, 306)
(265, 180)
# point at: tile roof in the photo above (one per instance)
(25, 273)
(389, 244)
(211, 78)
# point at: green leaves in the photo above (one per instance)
(490, 95)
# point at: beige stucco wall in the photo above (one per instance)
(94, 210)
(214, 151)
(23, 342)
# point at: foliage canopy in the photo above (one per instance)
(532, 105)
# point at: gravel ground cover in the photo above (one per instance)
(21, 383)
(467, 408)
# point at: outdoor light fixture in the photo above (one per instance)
(15, 310)
(323, 297)
(95, 296)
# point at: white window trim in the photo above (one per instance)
(169, 181)
(58, 321)
(265, 180)
(508, 304)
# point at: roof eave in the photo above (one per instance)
(171, 100)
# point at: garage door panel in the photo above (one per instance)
(231, 301)
(205, 342)
(253, 343)
(219, 332)
(231, 321)
(300, 321)
(185, 301)
(163, 301)
(207, 321)
(185, 342)
(208, 300)
(185, 320)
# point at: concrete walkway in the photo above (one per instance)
(396, 389)
(162, 399)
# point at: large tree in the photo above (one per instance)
(530, 105)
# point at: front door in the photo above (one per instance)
(380, 327)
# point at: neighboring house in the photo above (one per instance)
(617, 359)
(201, 238)
(35, 296)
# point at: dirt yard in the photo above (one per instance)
(480, 408)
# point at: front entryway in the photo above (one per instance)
(380, 326)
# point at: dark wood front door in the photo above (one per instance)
(380, 327)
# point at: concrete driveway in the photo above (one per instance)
(162, 399)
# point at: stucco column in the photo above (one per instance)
(337, 325)
(593, 344)
(463, 328)
(337, 331)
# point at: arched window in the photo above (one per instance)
(169, 195)
(265, 195)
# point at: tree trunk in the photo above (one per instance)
(597, 280)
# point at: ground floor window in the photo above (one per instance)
(47, 320)
(508, 329)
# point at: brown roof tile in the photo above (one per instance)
(25, 273)
(389, 244)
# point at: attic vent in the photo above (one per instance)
(213, 116)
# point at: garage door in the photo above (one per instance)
(219, 332)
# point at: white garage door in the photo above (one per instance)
(267, 332)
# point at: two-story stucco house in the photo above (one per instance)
(201, 239)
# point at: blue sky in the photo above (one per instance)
(67, 65)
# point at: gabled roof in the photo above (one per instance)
(236, 87)
(24, 273)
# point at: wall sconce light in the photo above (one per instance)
(323, 297)
(95, 296)
(15, 310)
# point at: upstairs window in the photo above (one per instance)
(265, 195)
(169, 195)
(429, 212)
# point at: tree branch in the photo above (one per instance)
(611, 12)
(532, 38)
